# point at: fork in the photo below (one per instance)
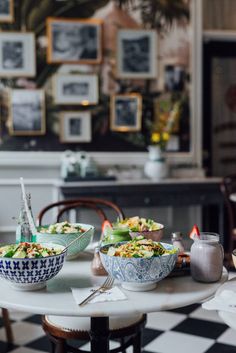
(108, 283)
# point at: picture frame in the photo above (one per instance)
(136, 54)
(6, 11)
(126, 112)
(74, 40)
(27, 112)
(17, 54)
(76, 89)
(75, 127)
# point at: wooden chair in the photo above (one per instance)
(62, 329)
(228, 187)
(7, 325)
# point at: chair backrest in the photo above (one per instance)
(228, 187)
(100, 206)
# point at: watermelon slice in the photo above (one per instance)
(195, 233)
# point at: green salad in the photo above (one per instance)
(27, 250)
(62, 228)
(140, 247)
(137, 224)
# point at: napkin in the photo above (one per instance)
(225, 301)
(112, 294)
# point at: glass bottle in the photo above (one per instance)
(23, 232)
(177, 241)
(96, 265)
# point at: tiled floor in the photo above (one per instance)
(185, 330)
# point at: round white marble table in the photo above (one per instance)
(57, 299)
(228, 318)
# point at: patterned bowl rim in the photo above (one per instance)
(86, 225)
(170, 246)
(64, 251)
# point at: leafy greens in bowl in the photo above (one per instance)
(142, 226)
(140, 263)
(63, 233)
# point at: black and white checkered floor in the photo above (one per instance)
(184, 330)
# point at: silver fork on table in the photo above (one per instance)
(108, 283)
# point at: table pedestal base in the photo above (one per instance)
(99, 334)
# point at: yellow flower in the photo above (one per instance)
(165, 136)
(156, 137)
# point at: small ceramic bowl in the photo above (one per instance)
(65, 238)
(138, 274)
(32, 274)
(155, 235)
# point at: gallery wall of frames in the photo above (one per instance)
(62, 88)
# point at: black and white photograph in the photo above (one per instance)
(76, 89)
(74, 41)
(27, 112)
(75, 127)
(17, 54)
(136, 54)
(6, 11)
(126, 112)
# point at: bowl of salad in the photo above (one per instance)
(142, 226)
(63, 233)
(140, 263)
(27, 266)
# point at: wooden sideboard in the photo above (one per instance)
(177, 192)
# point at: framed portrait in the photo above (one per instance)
(17, 54)
(74, 41)
(27, 112)
(136, 53)
(6, 10)
(76, 89)
(75, 127)
(126, 112)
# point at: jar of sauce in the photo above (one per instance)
(206, 258)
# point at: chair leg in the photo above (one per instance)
(7, 325)
(137, 343)
(122, 342)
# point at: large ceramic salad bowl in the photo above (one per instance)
(30, 273)
(142, 226)
(63, 233)
(141, 269)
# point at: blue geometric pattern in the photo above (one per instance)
(139, 270)
(31, 270)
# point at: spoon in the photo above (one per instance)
(73, 241)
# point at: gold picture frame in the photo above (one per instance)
(75, 127)
(17, 54)
(126, 112)
(76, 89)
(6, 11)
(74, 41)
(27, 112)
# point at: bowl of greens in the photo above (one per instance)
(27, 266)
(140, 263)
(63, 233)
(142, 226)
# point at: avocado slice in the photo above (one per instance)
(20, 254)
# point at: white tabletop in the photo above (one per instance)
(57, 298)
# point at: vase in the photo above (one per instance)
(155, 167)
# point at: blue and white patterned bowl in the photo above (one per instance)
(32, 274)
(66, 238)
(138, 274)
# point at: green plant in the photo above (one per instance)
(158, 14)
